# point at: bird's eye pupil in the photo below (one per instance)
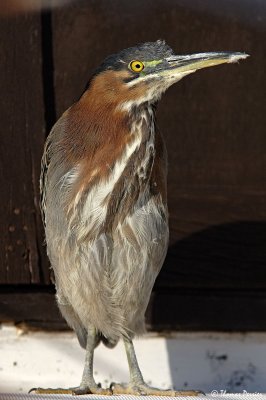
(137, 66)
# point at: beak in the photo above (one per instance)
(190, 63)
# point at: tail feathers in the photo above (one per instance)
(109, 342)
(74, 321)
(82, 335)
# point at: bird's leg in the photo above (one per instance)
(136, 377)
(88, 384)
(137, 385)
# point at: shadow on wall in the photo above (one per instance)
(231, 255)
(213, 280)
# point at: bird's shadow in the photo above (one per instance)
(231, 255)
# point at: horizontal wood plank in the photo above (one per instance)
(192, 310)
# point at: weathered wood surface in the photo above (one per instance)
(22, 135)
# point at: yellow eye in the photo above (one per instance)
(136, 66)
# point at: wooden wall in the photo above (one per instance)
(213, 121)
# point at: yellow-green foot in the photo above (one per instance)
(74, 391)
(145, 390)
(91, 390)
(50, 391)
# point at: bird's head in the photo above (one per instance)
(142, 73)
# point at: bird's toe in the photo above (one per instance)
(80, 390)
(94, 389)
(145, 390)
(50, 391)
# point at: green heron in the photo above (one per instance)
(104, 201)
